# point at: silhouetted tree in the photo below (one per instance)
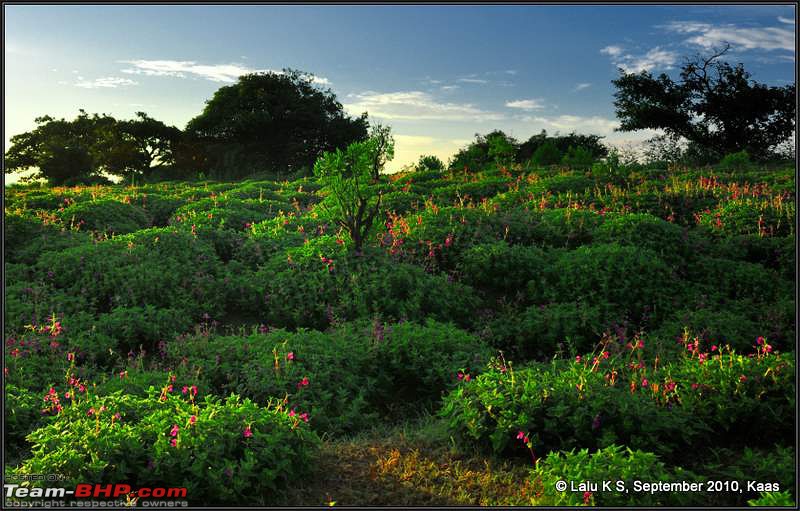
(715, 105)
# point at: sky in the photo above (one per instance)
(436, 74)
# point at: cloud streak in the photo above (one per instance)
(227, 73)
(656, 58)
(526, 104)
(709, 36)
(107, 82)
(415, 105)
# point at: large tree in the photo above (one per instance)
(713, 105)
(137, 147)
(61, 151)
(80, 150)
(280, 122)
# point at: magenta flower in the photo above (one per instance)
(303, 382)
(759, 340)
(185, 390)
(713, 347)
(578, 359)
(290, 355)
(174, 442)
(520, 435)
(247, 432)
(194, 390)
(90, 412)
(174, 430)
(304, 416)
(645, 382)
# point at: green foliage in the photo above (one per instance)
(773, 499)
(578, 157)
(593, 403)
(542, 331)
(429, 163)
(105, 216)
(612, 463)
(546, 154)
(212, 455)
(624, 281)
(735, 161)
(343, 379)
(349, 175)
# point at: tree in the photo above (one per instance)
(138, 146)
(496, 147)
(273, 121)
(61, 151)
(591, 143)
(714, 105)
(350, 176)
(430, 162)
(546, 154)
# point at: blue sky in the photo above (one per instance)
(436, 74)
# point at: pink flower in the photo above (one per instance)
(304, 416)
(578, 358)
(194, 390)
(90, 412)
(743, 378)
(247, 432)
(169, 388)
(303, 382)
(460, 375)
(66, 395)
(185, 390)
(586, 496)
(192, 419)
(174, 442)
(81, 388)
(768, 348)
(695, 386)
(290, 355)
(641, 344)
(174, 430)
(70, 357)
(759, 340)
(292, 413)
(713, 347)
(605, 354)
(520, 435)
(644, 382)
(117, 416)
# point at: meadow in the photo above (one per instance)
(502, 329)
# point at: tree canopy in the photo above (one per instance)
(713, 104)
(82, 149)
(272, 121)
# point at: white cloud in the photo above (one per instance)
(582, 86)
(526, 104)
(788, 21)
(107, 82)
(449, 87)
(750, 38)
(228, 73)
(656, 58)
(472, 80)
(415, 105)
(567, 123)
(612, 51)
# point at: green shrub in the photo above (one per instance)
(546, 154)
(502, 268)
(355, 374)
(615, 464)
(314, 293)
(644, 230)
(541, 331)
(160, 267)
(735, 161)
(757, 217)
(244, 452)
(578, 157)
(107, 216)
(593, 403)
(621, 280)
(775, 465)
